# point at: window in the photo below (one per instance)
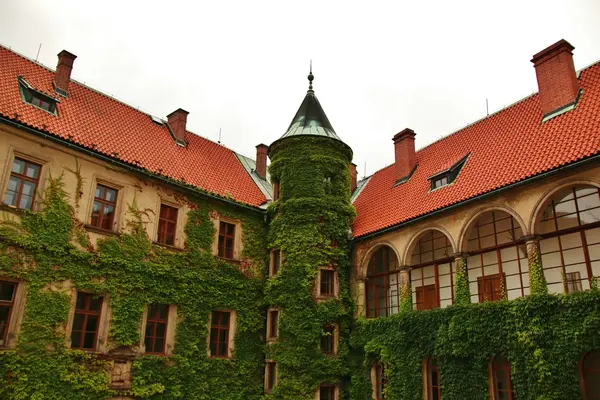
(497, 256)
(489, 288)
(327, 282)
(380, 381)
(275, 262)
(84, 333)
(426, 297)
(7, 301)
(270, 376)
(434, 386)
(275, 190)
(327, 392)
(328, 338)
(105, 203)
(155, 337)
(501, 378)
(226, 239)
(219, 334)
(35, 98)
(273, 324)
(590, 371)
(167, 223)
(570, 229)
(327, 185)
(22, 185)
(447, 176)
(383, 290)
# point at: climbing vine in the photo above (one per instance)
(536, 271)
(462, 293)
(46, 249)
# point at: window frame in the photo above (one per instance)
(334, 284)
(86, 313)
(329, 386)
(270, 376)
(16, 312)
(150, 319)
(23, 179)
(505, 368)
(274, 267)
(11, 307)
(222, 249)
(330, 333)
(104, 202)
(449, 175)
(391, 268)
(230, 334)
(378, 380)
(28, 93)
(163, 225)
(276, 190)
(583, 374)
(432, 367)
(273, 324)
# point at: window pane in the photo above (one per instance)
(160, 330)
(88, 341)
(33, 171)
(4, 312)
(111, 195)
(95, 302)
(26, 202)
(159, 345)
(81, 300)
(76, 340)
(150, 328)
(99, 191)
(78, 322)
(13, 184)
(28, 188)
(7, 290)
(18, 166)
(92, 322)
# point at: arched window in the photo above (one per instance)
(434, 385)
(503, 389)
(570, 228)
(590, 371)
(383, 291)
(380, 381)
(497, 262)
(431, 271)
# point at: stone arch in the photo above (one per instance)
(539, 206)
(497, 207)
(417, 236)
(364, 262)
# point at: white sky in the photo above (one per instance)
(241, 65)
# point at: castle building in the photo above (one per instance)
(139, 260)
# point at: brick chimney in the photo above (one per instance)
(177, 120)
(62, 76)
(261, 160)
(352, 177)
(404, 148)
(556, 76)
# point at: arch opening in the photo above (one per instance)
(590, 375)
(383, 283)
(503, 389)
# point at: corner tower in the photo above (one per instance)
(308, 293)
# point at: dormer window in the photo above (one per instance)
(35, 98)
(448, 175)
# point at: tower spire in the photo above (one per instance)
(310, 78)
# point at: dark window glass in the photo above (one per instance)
(7, 298)
(37, 99)
(226, 239)
(380, 381)
(327, 282)
(105, 203)
(273, 324)
(22, 184)
(434, 385)
(501, 374)
(327, 392)
(328, 339)
(383, 291)
(591, 375)
(156, 328)
(84, 332)
(271, 376)
(167, 223)
(276, 256)
(275, 190)
(219, 334)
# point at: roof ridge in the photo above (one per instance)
(108, 96)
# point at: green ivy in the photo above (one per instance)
(49, 246)
(462, 293)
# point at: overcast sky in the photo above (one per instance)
(241, 66)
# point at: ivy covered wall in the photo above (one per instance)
(51, 246)
(310, 224)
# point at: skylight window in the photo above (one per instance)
(447, 176)
(35, 98)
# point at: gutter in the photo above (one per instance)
(525, 181)
(125, 165)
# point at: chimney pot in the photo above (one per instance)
(62, 76)
(261, 160)
(404, 149)
(177, 121)
(556, 77)
(353, 175)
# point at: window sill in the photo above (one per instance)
(16, 210)
(102, 231)
(169, 247)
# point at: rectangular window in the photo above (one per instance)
(327, 392)
(84, 333)
(275, 262)
(327, 282)
(7, 301)
(219, 334)
(380, 381)
(427, 297)
(328, 340)
(36, 98)
(275, 190)
(226, 239)
(105, 203)
(273, 324)
(573, 281)
(271, 378)
(490, 287)
(167, 223)
(22, 185)
(156, 328)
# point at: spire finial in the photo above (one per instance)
(310, 77)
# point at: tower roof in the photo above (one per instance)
(310, 119)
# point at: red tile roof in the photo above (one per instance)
(98, 122)
(505, 148)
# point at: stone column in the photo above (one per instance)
(405, 290)
(462, 291)
(537, 280)
(360, 297)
